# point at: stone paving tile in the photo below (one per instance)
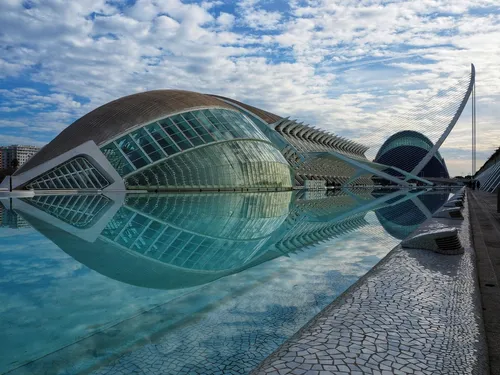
(486, 231)
(417, 312)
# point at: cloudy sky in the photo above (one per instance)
(347, 66)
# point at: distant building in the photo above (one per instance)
(19, 152)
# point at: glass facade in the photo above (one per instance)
(205, 232)
(236, 164)
(76, 173)
(170, 244)
(237, 216)
(169, 136)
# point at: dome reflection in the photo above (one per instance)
(172, 241)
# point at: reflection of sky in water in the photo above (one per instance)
(50, 300)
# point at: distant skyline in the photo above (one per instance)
(337, 65)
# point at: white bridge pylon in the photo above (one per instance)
(418, 168)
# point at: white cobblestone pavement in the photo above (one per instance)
(416, 312)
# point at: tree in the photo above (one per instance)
(14, 164)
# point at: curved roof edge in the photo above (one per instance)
(402, 134)
(264, 115)
(117, 116)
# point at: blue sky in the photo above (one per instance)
(346, 66)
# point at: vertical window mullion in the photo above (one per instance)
(155, 142)
(90, 170)
(140, 148)
(160, 127)
(183, 134)
(79, 172)
(126, 159)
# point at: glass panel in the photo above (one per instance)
(92, 178)
(184, 145)
(208, 125)
(227, 165)
(65, 183)
(115, 157)
(187, 130)
(163, 139)
(132, 151)
(176, 135)
(74, 183)
(57, 183)
(65, 176)
(197, 141)
(79, 164)
(101, 179)
(80, 181)
(188, 116)
(50, 184)
(177, 119)
(147, 144)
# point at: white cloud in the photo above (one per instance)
(260, 19)
(225, 20)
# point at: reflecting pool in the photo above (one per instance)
(183, 283)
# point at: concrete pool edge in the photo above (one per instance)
(315, 349)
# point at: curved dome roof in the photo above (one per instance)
(118, 116)
(264, 115)
(406, 149)
(414, 138)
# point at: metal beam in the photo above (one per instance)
(409, 176)
(359, 165)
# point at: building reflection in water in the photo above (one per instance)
(402, 218)
(182, 240)
(10, 219)
(156, 257)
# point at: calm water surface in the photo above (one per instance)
(182, 283)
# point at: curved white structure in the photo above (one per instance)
(489, 174)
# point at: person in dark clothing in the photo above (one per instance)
(478, 184)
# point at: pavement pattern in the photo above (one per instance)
(486, 237)
(416, 312)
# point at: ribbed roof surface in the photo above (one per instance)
(264, 115)
(409, 134)
(118, 116)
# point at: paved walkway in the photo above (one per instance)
(416, 312)
(486, 238)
